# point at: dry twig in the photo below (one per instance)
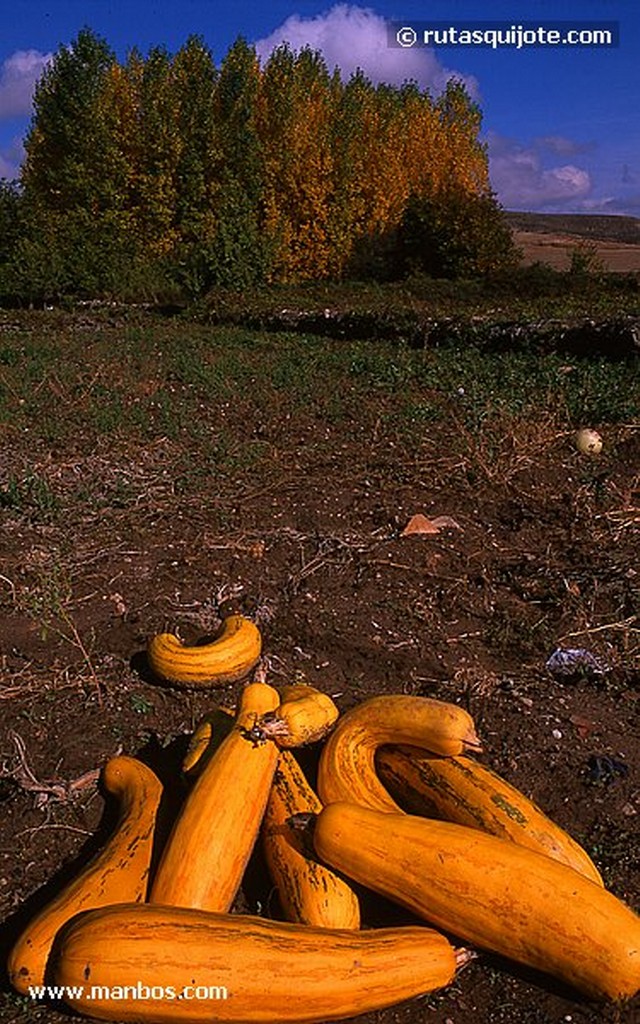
(49, 790)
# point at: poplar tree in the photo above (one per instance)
(66, 146)
(72, 176)
(239, 254)
(296, 127)
(194, 79)
(160, 151)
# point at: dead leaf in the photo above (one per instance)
(446, 522)
(420, 524)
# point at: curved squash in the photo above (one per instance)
(211, 841)
(309, 892)
(169, 958)
(305, 715)
(231, 656)
(117, 873)
(347, 766)
(493, 893)
(461, 790)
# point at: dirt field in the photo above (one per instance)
(557, 250)
(149, 470)
(611, 243)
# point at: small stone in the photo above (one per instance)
(557, 735)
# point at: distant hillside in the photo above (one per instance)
(598, 227)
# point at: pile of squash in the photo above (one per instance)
(475, 859)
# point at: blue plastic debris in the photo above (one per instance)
(568, 662)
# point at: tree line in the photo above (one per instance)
(167, 169)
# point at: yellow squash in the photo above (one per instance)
(347, 764)
(169, 964)
(309, 892)
(490, 892)
(211, 841)
(231, 656)
(305, 715)
(118, 872)
(460, 789)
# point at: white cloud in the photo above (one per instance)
(352, 37)
(522, 182)
(18, 76)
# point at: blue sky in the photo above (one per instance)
(562, 124)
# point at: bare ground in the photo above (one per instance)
(131, 536)
(612, 242)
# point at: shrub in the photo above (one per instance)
(454, 235)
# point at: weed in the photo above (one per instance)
(9, 356)
(30, 496)
(418, 413)
(511, 631)
(107, 412)
(46, 602)
(600, 391)
(140, 704)
(46, 599)
(584, 260)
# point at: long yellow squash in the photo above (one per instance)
(119, 872)
(347, 764)
(460, 789)
(211, 841)
(309, 892)
(169, 964)
(490, 892)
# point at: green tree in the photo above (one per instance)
(194, 79)
(66, 145)
(75, 176)
(199, 165)
(239, 253)
(160, 151)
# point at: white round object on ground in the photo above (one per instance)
(588, 442)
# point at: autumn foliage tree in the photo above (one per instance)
(166, 167)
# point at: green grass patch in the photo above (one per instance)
(232, 402)
(30, 496)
